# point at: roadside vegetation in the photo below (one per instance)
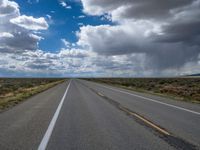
(16, 90)
(184, 89)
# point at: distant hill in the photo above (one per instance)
(198, 74)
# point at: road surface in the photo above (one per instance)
(83, 115)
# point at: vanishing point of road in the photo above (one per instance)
(83, 115)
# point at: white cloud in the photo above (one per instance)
(30, 23)
(74, 53)
(8, 8)
(6, 35)
(80, 24)
(66, 62)
(49, 16)
(81, 16)
(49, 19)
(66, 43)
(16, 28)
(34, 36)
(64, 4)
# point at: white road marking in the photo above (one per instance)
(149, 99)
(49, 131)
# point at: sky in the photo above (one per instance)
(99, 38)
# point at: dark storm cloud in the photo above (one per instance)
(135, 8)
(167, 32)
(154, 9)
(186, 32)
(173, 55)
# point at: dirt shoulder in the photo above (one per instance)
(14, 91)
(182, 89)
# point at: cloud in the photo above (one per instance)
(65, 5)
(30, 23)
(151, 9)
(183, 26)
(81, 16)
(37, 63)
(66, 43)
(6, 35)
(16, 28)
(49, 17)
(17, 44)
(166, 33)
(116, 40)
(81, 24)
(74, 53)
(81, 63)
(67, 62)
(8, 8)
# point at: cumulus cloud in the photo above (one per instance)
(151, 9)
(6, 35)
(75, 53)
(30, 23)
(166, 33)
(8, 8)
(18, 32)
(183, 26)
(20, 42)
(117, 40)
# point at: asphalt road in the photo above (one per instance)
(82, 115)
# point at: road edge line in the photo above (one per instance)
(150, 99)
(47, 135)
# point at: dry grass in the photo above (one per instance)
(184, 89)
(14, 91)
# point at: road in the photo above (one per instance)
(83, 115)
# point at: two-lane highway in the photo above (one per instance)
(86, 115)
